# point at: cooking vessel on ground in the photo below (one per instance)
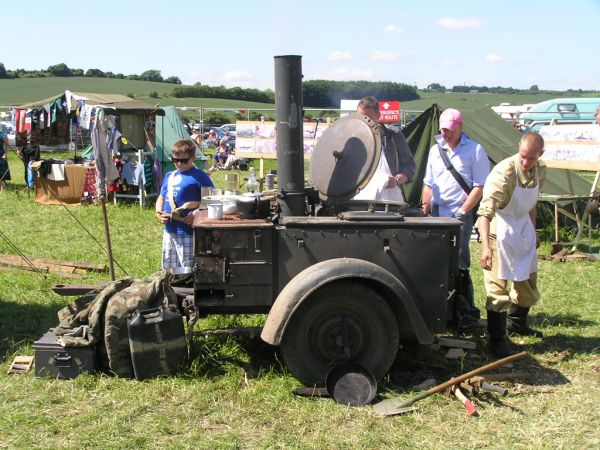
(351, 384)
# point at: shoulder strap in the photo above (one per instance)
(457, 176)
(170, 185)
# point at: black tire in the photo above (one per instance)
(314, 338)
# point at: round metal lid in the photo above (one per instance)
(345, 157)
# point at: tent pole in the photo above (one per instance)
(111, 266)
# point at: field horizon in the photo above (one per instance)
(15, 92)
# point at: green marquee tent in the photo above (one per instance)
(170, 129)
(497, 136)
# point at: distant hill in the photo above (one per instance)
(14, 92)
(24, 90)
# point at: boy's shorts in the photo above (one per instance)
(177, 253)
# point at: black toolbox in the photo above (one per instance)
(54, 360)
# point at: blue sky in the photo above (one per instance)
(232, 42)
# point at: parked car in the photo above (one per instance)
(228, 127)
(561, 110)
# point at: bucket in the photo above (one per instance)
(351, 384)
(215, 211)
(232, 182)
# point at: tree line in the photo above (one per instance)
(533, 89)
(316, 93)
(327, 94)
(62, 70)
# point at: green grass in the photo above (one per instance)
(236, 394)
(470, 101)
(25, 90)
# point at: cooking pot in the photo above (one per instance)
(229, 206)
(215, 211)
(253, 206)
(351, 384)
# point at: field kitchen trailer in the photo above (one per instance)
(340, 280)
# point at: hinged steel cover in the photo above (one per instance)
(345, 157)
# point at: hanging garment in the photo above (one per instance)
(133, 173)
(376, 187)
(516, 239)
(85, 116)
(107, 170)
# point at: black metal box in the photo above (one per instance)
(54, 360)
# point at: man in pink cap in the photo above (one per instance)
(456, 171)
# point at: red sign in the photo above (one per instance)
(389, 111)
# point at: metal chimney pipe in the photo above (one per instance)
(289, 132)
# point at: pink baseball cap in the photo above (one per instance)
(450, 119)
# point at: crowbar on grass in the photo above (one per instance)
(393, 406)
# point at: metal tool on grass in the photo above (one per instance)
(468, 404)
(479, 382)
(395, 406)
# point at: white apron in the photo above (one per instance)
(375, 188)
(517, 256)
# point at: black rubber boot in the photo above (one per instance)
(517, 322)
(496, 323)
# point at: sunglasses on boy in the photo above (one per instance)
(181, 160)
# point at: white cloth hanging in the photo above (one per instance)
(376, 188)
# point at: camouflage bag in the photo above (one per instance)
(105, 314)
(88, 310)
(115, 355)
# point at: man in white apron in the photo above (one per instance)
(507, 227)
(396, 164)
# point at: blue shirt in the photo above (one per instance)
(187, 187)
(470, 161)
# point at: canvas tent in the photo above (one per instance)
(497, 136)
(104, 119)
(170, 129)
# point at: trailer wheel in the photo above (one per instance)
(342, 321)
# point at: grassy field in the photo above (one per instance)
(470, 101)
(26, 90)
(236, 394)
(20, 91)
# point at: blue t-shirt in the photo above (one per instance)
(186, 188)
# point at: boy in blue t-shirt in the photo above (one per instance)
(176, 206)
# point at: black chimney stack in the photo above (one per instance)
(289, 132)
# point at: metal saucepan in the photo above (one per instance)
(253, 206)
(351, 384)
